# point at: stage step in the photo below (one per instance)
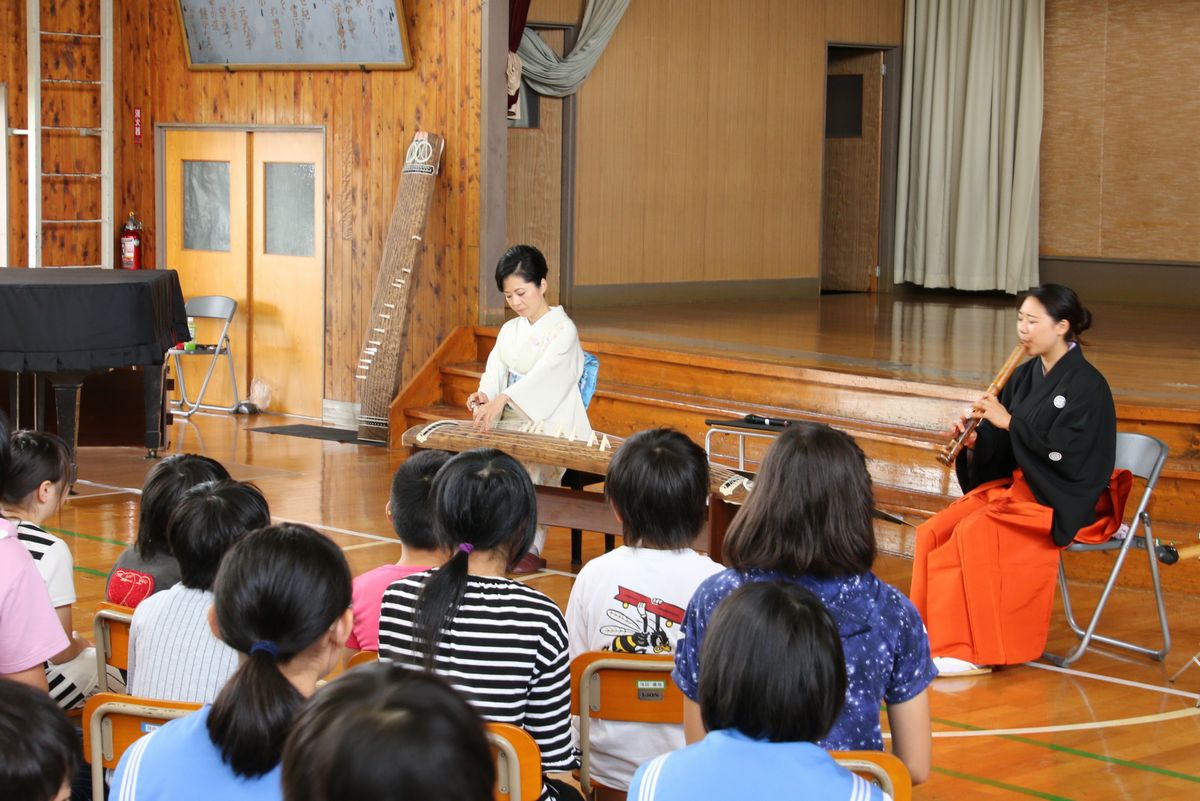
(900, 425)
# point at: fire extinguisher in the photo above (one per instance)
(131, 243)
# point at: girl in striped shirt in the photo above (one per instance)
(501, 644)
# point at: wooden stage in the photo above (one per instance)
(1111, 727)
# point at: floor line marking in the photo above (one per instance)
(335, 529)
(360, 545)
(1068, 727)
(1113, 680)
(102, 485)
(83, 536)
(999, 784)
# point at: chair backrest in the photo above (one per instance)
(112, 723)
(518, 763)
(110, 629)
(878, 767)
(218, 307)
(361, 658)
(1144, 456)
(587, 381)
(628, 687)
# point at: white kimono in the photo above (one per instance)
(538, 366)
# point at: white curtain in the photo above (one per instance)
(547, 73)
(970, 133)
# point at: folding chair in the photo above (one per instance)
(211, 307)
(1144, 456)
(518, 763)
(361, 658)
(577, 479)
(110, 631)
(879, 767)
(628, 687)
(112, 723)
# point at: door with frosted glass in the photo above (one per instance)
(245, 218)
(207, 242)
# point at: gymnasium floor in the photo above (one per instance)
(1109, 728)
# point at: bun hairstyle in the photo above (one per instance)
(523, 261)
(811, 511)
(34, 457)
(279, 590)
(1062, 303)
(383, 732)
(483, 500)
(758, 628)
(165, 485)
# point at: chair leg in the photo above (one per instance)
(186, 407)
(610, 542)
(576, 547)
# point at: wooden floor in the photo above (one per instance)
(1111, 728)
(1148, 354)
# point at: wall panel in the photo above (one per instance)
(1120, 180)
(369, 119)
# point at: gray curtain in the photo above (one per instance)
(970, 133)
(547, 73)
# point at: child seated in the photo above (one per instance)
(282, 601)
(149, 567)
(381, 732)
(41, 748)
(34, 490)
(500, 643)
(410, 511)
(173, 654)
(30, 632)
(632, 600)
(772, 682)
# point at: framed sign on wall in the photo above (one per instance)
(295, 34)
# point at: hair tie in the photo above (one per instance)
(266, 647)
(466, 547)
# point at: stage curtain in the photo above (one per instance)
(548, 74)
(518, 13)
(970, 133)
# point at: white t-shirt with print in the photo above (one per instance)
(632, 600)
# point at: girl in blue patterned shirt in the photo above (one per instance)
(809, 521)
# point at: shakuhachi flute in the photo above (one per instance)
(951, 451)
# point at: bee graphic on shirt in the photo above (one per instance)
(648, 633)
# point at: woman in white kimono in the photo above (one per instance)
(533, 372)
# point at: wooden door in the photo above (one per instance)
(207, 242)
(535, 180)
(287, 268)
(850, 202)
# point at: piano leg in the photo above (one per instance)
(155, 409)
(66, 402)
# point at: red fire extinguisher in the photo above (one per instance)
(131, 243)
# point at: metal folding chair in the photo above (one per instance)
(1144, 456)
(211, 307)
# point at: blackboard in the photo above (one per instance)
(295, 34)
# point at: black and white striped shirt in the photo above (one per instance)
(505, 650)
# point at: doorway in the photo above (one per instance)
(244, 216)
(850, 202)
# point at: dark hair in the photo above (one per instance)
(4, 449)
(1062, 303)
(524, 261)
(34, 457)
(810, 510)
(658, 483)
(412, 499)
(208, 520)
(165, 485)
(41, 748)
(279, 588)
(383, 732)
(483, 498)
(771, 665)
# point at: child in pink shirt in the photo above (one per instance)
(411, 514)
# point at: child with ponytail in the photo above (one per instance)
(282, 600)
(501, 644)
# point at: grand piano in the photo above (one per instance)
(65, 324)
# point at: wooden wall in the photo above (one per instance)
(369, 119)
(700, 137)
(1120, 177)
